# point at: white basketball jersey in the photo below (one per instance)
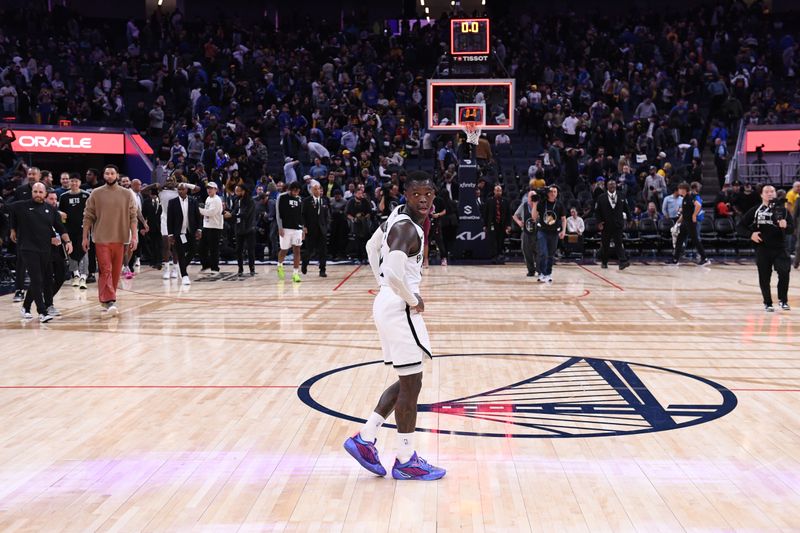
(413, 270)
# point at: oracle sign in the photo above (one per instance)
(773, 140)
(66, 142)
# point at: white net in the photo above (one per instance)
(473, 133)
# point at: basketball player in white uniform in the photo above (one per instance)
(395, 255)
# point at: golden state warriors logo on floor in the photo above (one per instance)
(560, 397)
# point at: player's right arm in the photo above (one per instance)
(746, 226)
(403, 243)
(374, 251)
(278, 214)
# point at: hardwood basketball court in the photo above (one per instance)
(657, 398)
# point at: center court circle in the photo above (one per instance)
(512, 395)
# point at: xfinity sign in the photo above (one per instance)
(68, 142)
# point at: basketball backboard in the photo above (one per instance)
(487, 102)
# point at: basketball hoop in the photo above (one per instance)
(473, 132)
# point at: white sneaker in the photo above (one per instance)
(549, 279)
(542, 278)
(52, 311)
(75, 279)
(26, 315)
(173, 271)
(109, 310)
(45, 318)
(82, 282)
(186, 281)
(137, 264)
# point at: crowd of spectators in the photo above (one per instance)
(636, 98)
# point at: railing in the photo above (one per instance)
(739, 155)
(781, 174)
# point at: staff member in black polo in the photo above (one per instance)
(767, 225)
(35, 227)
(611, 211)
(244, 215)
(497, 223)
(22, 194)
(316, 221)
(58, 261)
(524, 219)
(183, 224)
(690, 210)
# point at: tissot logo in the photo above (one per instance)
(42, 141)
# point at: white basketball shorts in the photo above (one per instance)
(291, 237)
(404, 337)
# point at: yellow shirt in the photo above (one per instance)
(791, 198)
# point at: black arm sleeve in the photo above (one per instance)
(58, 225)
(12, 215)
(790, 223)
(745, 225)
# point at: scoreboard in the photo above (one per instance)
(469, 39)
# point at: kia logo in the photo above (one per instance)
(40, 141)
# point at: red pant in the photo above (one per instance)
(109, 263)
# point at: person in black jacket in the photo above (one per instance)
(316, 221)
(21, 194)
(497, 223)
(611, 212)
(244, 217)
(58, 260)
(151, 211)
(35, 226)
(767, 225)
(688, 221)
(183, 224)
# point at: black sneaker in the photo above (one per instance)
(323, 275)
(19, 296)
(671, 261)
(704, 261)
(531, 274)
(252, 273)
(785, 306)
(91, 279)
(604, 265)
(304, 269)
(624, 265)
(768, 308)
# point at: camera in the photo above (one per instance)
(778, 210)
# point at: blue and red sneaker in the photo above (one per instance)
(417, 468)
(365, 453)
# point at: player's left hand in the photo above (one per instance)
(782, 223)
(68, 248)
(561, 235)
